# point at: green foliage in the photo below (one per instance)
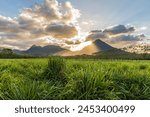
(58, 78)
(7, 51)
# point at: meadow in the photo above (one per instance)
(57, 78)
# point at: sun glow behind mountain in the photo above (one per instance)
(80, 46)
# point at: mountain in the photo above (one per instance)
(41, 51)
(96, 46)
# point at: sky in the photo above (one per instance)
(78, 16)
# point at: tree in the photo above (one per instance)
(7, 51)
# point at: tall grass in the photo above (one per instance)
(58, 78)
(55, 70)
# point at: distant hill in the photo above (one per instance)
(41, 51)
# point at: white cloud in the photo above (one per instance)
(85, 23)
(50, 18)
(143, 28)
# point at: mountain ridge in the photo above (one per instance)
(96, 47)
(41, 51)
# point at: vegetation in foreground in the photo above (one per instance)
(58, 78)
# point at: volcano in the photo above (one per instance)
(95, 47)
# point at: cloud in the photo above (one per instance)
(143, 28)
(50, 18)
(127, 38)
(61, 31)
(117, 36)
(85, 23)
(97, 34)
(7, 24)
(108, 33)
(119, 29)
(70, 42)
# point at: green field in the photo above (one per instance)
(58, 78)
